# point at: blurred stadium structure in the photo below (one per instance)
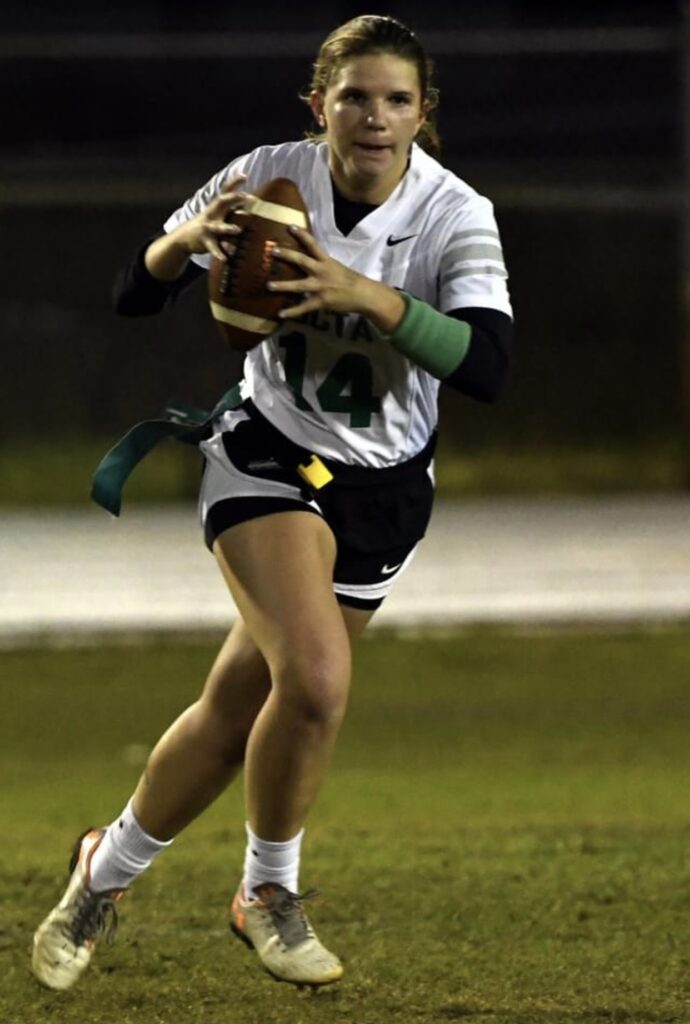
(575, 120)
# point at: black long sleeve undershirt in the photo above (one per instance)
(481, 374)
(136, 292)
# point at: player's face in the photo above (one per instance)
(371, 111)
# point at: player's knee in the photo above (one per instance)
(315, 687)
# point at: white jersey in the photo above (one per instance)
(329, 381)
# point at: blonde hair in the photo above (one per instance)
(375, 33)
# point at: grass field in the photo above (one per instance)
(503, 837)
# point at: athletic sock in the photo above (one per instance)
(271, 862)
(123, 853)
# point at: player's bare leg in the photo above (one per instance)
(203, 750)
(280, 571)
(189, 767)
(191, 764)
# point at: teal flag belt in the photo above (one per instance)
(180, 421)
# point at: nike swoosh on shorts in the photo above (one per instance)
(388, 569)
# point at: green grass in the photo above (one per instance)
(503, 836)
(34, 473)
(60, 474)
(566, 468)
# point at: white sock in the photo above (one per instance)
(271, 862)
(124, 852)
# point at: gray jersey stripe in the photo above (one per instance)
(473, 233)
(482, 271)
(478, 251)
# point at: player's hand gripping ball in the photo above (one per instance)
(241, 304)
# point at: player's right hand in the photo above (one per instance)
(208, 232)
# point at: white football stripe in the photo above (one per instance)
(243, 320)
(281, 214)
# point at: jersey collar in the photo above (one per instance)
(382, 219)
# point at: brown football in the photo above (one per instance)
(241, 304)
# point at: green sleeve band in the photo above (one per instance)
(434, 341)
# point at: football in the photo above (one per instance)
(242, 306)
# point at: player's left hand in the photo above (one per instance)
(328, 284)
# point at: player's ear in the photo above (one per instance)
(426, 109)
(316, 104)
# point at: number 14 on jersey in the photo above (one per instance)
(348, 388)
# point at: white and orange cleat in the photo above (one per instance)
(65, 940)
(275, 925)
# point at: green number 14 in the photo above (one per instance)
(348, 388)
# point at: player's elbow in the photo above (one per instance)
(121, 305)
(485, 382)
(492, 388)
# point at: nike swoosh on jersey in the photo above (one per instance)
(388, 569)
(396, 241)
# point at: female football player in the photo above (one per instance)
(318, 486)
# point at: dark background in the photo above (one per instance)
(571, 121)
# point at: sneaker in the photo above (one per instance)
(275, 925)
(64, 942)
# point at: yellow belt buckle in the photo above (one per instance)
(315, 473)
